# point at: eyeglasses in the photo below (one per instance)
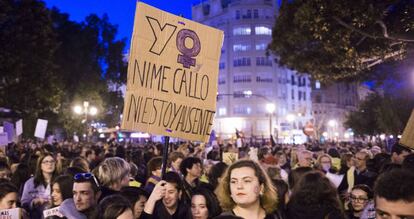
(48, 162)
(358, 199)
(86, 176)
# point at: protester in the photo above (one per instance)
(216, 174)
(359, 198)
(399, 152)
(314, 197)
(154, 173)
(115, 207)
(86, 193)
(174, 160)
(9, 196)
(137, 197)
(246, 191)
(37, 189)
(394, 194)
(113, 174)
(191, 170)
(165, 201)
(204, 204)
(304, 159)
(61, 190)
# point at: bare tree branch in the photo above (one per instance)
(386, 36)
(384, 30)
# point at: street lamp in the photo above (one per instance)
(332, 124)
(85, 110)
(270, 107)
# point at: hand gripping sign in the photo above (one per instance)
(172, 76)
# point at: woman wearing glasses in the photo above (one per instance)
(359, 198)
(37, 189)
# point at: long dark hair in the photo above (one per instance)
(38, 178)
(314, 195)
(212, 202)
(112, 206)
(65, 183)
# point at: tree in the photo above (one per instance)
(381, 114)
(89, 59)
(28, 82)
(342, 40)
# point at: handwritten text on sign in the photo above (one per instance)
(172, 76)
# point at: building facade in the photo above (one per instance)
(331, 104)
(255, 94)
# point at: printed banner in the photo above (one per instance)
(172, 76)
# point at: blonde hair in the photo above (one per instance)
(268, 201)
(112, 170)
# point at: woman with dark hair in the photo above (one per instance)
(137, 197)
(61, 189)
(20, 176)
(359, 198)
(216, 173)
(37, 189)
(9, 196)
(282, 189)
(115, 207)
(246, 191)
(314, 197)
(204, 204)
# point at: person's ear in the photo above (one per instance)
(180, 194)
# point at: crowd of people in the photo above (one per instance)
(124, 181)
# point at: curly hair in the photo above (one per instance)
(269, 198)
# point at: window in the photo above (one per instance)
(241, 62)
(292, 78)
(293, 94)
(261, 46)
(263, 61)
(299, 95)
(242, 110)
(304, 95)
(255, 13)
(237, 14)
(222, 65)
(222, 111)
(264, 79)
(262, 30)
(248, 14)
(242, 78)
(242, 31)
(241, 47)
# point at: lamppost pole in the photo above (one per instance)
(85, 110)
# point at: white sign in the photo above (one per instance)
(41, 127)
(3, 139)
(52, 212)
(14, 213)
(19, 127)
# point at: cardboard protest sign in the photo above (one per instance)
(230, 157)
(172, 76)
(52, 212)
(19, 127)
(14, 213)
(407, 138)
(41, 127)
